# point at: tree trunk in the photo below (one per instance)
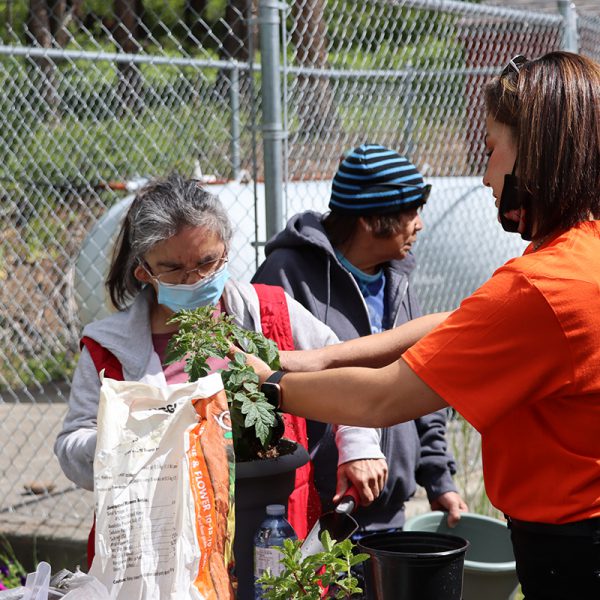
(316, 112)
(235, 45)
(235, 39)
(59, 18)
(193, 12)
(9, 15)
(126, 34)
(39, 31)
(77, 10)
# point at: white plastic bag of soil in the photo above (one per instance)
(163, 487)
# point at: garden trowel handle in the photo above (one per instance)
(350, 500)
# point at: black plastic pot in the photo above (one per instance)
(257, 484)
(414, 566)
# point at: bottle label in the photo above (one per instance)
(267, 558)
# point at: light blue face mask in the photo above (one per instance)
(194, 295)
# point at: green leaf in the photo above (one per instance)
(174, 355)
(241, 398)
(249, 386)
(260, 415)
(197, 369)
(326, 541)
(239, 359)
(358, 558)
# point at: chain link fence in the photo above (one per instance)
(95, 96)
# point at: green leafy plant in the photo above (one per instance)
(12, 572)
(325, 574)
(256, 426)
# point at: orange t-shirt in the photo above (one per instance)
(520, 360)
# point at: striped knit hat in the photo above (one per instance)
(360, 186)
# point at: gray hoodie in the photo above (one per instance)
(127, 335)
(302, 260)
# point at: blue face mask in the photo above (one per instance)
(190, 296)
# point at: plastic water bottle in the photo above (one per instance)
(271, 534)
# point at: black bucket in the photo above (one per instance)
(414, 566)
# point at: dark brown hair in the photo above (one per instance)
(553, 107)
(340, 227)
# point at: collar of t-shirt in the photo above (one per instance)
(372, 288)
(174, 372)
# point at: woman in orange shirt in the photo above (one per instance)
(520, 358)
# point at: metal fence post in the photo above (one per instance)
(234, 98)
(268, 19)
(570, 38)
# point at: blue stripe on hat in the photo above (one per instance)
(388, 194)
(362, 155)
(383, 194)
(371, 205)
(373, 160)
(378, 174)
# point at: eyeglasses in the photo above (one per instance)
(180, 276)
(514, 65)
(424, 189)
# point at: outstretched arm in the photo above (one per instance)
(358, 396)
(375, 350)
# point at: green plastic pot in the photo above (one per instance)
(489, 562)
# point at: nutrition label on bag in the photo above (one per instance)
(129, 535)
(141, 522)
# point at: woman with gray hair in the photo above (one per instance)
(160, 211)
(172, 254)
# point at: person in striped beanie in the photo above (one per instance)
(351, 268)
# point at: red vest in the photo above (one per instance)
(304, 506)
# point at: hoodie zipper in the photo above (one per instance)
(364, 303)
(366, 313)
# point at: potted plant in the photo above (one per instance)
(265, 461)
(326, 574)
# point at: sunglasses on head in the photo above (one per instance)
(514, 65)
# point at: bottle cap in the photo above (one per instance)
(276, 510)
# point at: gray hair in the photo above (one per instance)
(160, 210)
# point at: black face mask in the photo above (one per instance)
(510, 200)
